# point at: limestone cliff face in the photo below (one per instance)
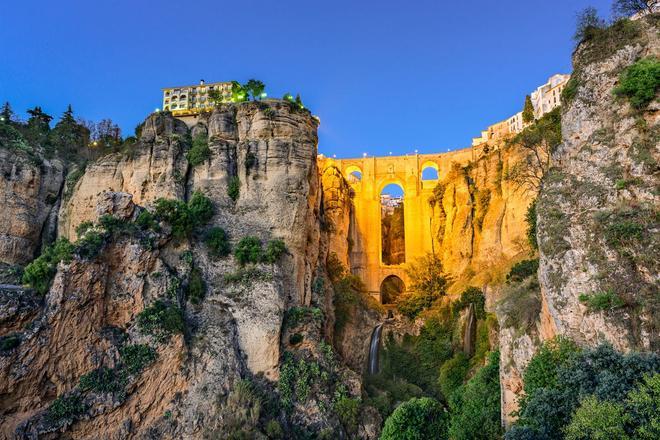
(597, 212)
(479, 218)
(29, 193)
(154, 168)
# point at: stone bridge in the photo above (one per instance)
(375, 173)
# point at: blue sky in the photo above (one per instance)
(383, 76)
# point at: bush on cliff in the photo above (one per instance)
(40, 272)
(248, 250)
(416, 419)
(161, 320)
(218, 242)
(199, 152)
(274, 250)
(184, 218)
(640, 82)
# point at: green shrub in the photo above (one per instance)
(65, 409)
(104, 380)
(475, 407)
(274, 250)
(471, 295)
(640, 82)
(601, 372)
(234, 188)
(541, 372)
(199, 152)
(523, 270)
(452, 374)
(9, 342)
(295, 339)
(274, 430)
(422, 418)
(607, 300)
(137, 357)
(146, 221)
(643, 408)
(201, 208)
(530, 219)
(218, 242)
(184, 218)
(348, 412)
(83, 227)
(89, 246)
(41, 271)
(196, 289)
(596, 420)
(248, 250)
(161, 320)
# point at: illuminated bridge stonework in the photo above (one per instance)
(377, 172)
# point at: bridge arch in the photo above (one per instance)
(353, 174)
(430, 171)
(391, 288)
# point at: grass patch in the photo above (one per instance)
(601, 301)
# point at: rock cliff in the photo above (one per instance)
(597, 211)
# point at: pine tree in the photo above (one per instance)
(528, 110)
(6, 115)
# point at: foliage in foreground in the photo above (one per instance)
(574, 394)
(418, 418)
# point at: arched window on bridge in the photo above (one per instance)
(353, 174)
(429, 171)
(390, 289)
(392, 231)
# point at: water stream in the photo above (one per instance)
(373, 349)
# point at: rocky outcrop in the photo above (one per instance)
(597, 211)
(154, 167)
(29, 192)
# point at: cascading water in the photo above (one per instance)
(373, 349)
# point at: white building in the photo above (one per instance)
(547, 97)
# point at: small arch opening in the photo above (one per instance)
(391, 288)
(353, 174)
(429, 171)
(392, 227)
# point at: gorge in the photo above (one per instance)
(146, 294)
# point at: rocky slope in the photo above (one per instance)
(597, 212)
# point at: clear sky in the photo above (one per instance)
(383, 76)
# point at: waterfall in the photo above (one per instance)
(373, 349)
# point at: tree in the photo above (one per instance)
(475, 407)
(216, 97)
(69, 137)
(6, 115)
(528, 110)
(588, 23)
(416, 419)
(627, 8)
(38, 126)
(597, 420)
(427, 283)
(537, 142)
(255, 88)
(238, 92)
